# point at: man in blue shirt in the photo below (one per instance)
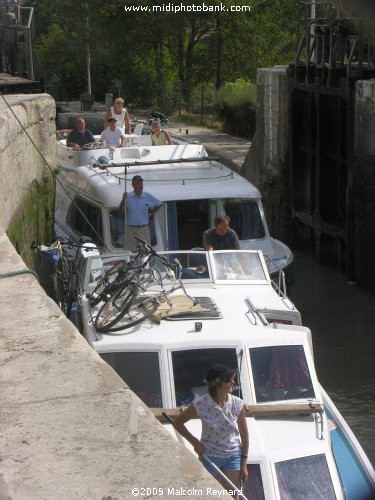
(79, 136)
(140, 206)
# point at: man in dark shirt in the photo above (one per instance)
(79, 136)
(221, 237)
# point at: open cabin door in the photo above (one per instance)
(187, 220)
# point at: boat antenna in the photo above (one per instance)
(125, 214)
(240, 358)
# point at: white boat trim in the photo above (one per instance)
(277, 440)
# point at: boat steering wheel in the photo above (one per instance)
(92, 145)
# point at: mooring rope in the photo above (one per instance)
(18, 273)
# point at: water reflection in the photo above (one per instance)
(341, 318)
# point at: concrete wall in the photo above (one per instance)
(364, 183)
(70, 427)
(266, 164)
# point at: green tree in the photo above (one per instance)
(161, 57)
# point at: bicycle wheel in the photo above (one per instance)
(72, 294)
(61, 283)
(105, 284)
(149, 278)
(115, 307)
(137, 313)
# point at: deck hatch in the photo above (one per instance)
(212, 311)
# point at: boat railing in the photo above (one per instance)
(277, 277)
(137, 163)
(259, 411)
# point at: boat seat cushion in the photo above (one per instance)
(177, 304)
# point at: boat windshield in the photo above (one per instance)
(243, 266)
(254, 489)
(190, 367)
(141, 371)
(192, 265)
(306, 477)
(280, 373)
(245, 219)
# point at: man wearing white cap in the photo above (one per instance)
(113, 136)
(140, 206)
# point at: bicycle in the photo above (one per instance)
(120, 273)
(121, 285)
(65, 275)
(157, 115)
(144, 306)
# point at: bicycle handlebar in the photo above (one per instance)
(151, 252)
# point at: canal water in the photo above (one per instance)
(341, 318)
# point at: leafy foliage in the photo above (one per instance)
(236, 108)
(161, 57)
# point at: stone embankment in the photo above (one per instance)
(70, 427)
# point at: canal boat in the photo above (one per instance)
(300, 446)
(193, 187)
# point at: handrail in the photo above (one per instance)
(158, 162)
(280, 287)
(255, 311)
(258, 411)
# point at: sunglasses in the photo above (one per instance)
(229, 380)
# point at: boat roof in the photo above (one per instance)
(185, 179)
(244, 294)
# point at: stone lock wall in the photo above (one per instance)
(364, 183)
(20, 162)
(266, 164)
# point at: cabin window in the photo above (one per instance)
(305, 478)
(86, 220)
(245, 219)
(190, 367)
(187, 220)
(253, 488)
(140, 370)
(280, 373)
(117, 229)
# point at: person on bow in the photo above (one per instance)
(113, 136)
(140, 207)
(121, 114)
(80, 135)
(159, 137)
(225, 438)
(221, 236)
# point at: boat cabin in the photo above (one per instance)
(193, 187)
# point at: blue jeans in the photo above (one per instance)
(232, 463)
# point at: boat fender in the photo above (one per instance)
(103, 160)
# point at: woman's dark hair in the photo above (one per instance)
(213, 387)
(221, 219)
